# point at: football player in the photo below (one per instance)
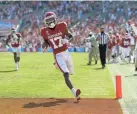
(135, 52)
(125, 44)
(114, 48)
(117, 41)
(14, 42)
(132, 46)
(109, 49)
(55, 34)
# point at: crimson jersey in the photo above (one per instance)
(14, 39)
(117, 38)
(54, 37)
(125, 42)
(114, 40)
(111, 44)
(120, 40)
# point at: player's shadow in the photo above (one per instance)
(98, 68)
(45, 104)
(85, 65)
(6, 71)
(134, 75)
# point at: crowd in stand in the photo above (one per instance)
(81, 16)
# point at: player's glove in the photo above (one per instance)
(64, 41)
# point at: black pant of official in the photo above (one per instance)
(102, 52)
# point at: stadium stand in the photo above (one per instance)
(81, 17)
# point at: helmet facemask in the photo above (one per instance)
(50, 22)
(13, 31)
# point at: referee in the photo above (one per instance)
(102, 39)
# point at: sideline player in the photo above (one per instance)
(132, 46)
(135, 52)
(125, 44)
(114, 48)
(111, 44)
(14, 41)
(54, 35)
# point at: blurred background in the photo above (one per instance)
(82, 17)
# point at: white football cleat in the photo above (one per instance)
(78, 92)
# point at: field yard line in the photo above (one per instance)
(121, 101)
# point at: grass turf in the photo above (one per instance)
(38, 78)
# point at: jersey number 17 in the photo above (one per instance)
(56, 39)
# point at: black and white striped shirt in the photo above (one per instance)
(102, 38)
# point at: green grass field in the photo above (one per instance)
(38, 78)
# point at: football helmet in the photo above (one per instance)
(13, 30)
(50, 19)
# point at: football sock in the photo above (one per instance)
(67, 80)
(73, 91)
(15, 58)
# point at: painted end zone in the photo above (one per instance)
(22, 92)
(59, 106)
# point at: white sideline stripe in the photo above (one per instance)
(128, 89)
(121, 101)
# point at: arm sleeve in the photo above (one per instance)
(67, 32)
